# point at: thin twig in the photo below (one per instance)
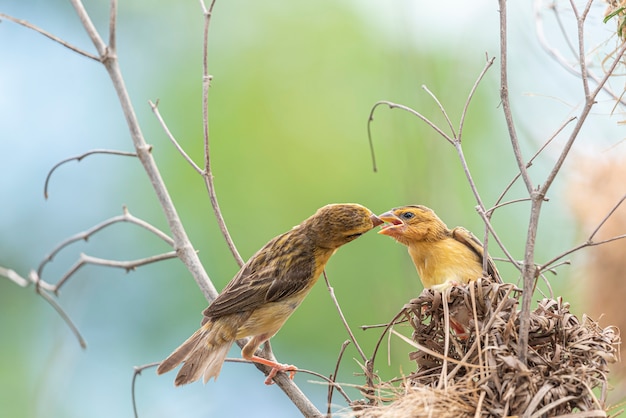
(606, 217)
(137, 371)
(208, 173)
(579, 247)
(155, 109)
(112, 26)
(129, 265)
(487, 222)
(14, 277)
(530, 162)
(558, 57)
(392, 105)
(369, 369)
(65, 317)
(49, 36)
(183, 246)
(488, 65)
(590, 101)
(333, 377)
(331, 291)
(85, 235)
(504, 97)
(443, 111)
(78, 158)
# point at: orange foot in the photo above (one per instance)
(281, 368)
(276, 367)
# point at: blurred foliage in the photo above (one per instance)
(293, 86)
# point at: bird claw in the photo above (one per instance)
(281, 368)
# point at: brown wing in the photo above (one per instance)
(283, 267)
(468, 239)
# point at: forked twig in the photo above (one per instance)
(489, 62)
(126, 216)
(588, 243)
(333, 378)
(208, 174)
(48, 298)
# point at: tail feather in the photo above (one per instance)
(202, 353)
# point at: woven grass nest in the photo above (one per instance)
(481, 376)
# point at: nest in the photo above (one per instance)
(479, 374)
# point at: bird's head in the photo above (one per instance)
(410, 224)
(337, 224)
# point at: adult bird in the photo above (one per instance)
(442, 257)
(266, 291)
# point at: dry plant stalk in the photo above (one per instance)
(482, 376)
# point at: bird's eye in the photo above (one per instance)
(407, 215)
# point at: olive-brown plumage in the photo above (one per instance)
(266, 291)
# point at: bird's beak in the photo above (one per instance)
(392, 220)
(376, 220)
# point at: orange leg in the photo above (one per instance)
(459, 330)
(276, 367)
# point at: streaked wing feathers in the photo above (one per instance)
(466, 237)
(281, 268)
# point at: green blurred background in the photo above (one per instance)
(293, 86)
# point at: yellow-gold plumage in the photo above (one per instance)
(442, 257)
(265, 292)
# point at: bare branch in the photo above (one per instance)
(14, 277)
(589, 242)
(78, 158)
(182, 245)
(49, 36)
(333, 378)
(443, 111)
(558, 57)
(112, 25)
(155, 109)
(136, 372)
(608, 215)
(489, 226)
(90, 29)
(85, 235)
(590, 101)
(343, 318)
(488, 65)
(504, 97)
(208, 173)
(48, 298)
(370, 119)
(392, 105)
(530, 162)
(85, 259)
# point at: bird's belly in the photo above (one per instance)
(444, 275)
(268, 318)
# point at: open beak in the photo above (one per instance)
(392, 222)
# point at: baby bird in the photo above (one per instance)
(266, 291)
(442, 257)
